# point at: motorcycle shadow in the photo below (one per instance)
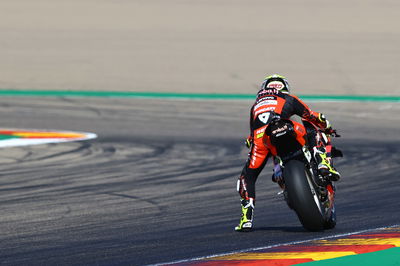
(291, 229)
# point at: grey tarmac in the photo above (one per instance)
(158, 185)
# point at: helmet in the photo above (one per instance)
(277, 82)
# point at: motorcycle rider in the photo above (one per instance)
(274, 96)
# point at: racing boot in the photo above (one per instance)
(246, 221)
(325, 166)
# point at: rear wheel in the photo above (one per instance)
(302, 196)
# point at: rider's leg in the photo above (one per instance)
(325, 165)
(246, 184)
(321, 145)
(322, 153)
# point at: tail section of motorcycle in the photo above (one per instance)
(306, 192)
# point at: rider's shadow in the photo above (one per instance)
(292, 229)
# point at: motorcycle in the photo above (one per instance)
(305, 190)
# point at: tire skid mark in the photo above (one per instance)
(150, 202)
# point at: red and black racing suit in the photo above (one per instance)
(284, 105)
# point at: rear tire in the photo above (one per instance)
(300, 196)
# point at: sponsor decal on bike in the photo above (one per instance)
(280, 129)
(24, 137)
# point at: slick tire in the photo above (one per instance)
(300, 196)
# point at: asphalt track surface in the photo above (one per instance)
(159, 183)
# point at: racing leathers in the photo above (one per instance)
(269, 102)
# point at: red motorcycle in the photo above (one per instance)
(305, 190)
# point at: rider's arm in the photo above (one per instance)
(251, 120)
(302, 110)
(249, 139)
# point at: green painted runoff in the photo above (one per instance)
(387, 257)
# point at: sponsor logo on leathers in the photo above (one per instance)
(263, 110)
(266, 102)
(276, 85)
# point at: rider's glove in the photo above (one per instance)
(249, 141)
(331, 132)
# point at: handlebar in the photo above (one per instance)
(331, 132)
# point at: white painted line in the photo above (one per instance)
(276, 245)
